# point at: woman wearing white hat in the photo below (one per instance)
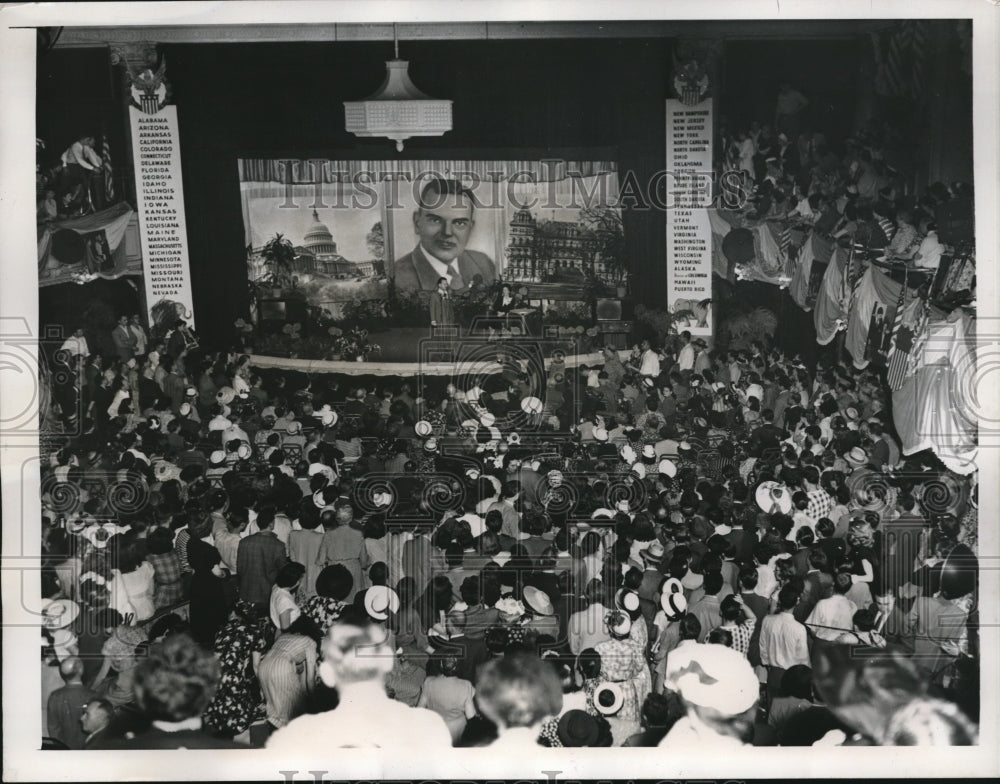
(623, 661)
(666, 628)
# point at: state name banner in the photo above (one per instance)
(162, 228)
(688, 199)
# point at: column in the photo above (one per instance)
(154, 143)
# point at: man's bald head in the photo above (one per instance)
(71, 669)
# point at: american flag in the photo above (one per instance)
(109, 172)
(901, 344)
(852, 279)
(899, 60)
(785, 240)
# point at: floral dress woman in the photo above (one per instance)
(238, 701)
(624, 662)
(324, 611)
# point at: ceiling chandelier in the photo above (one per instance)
(397, 110)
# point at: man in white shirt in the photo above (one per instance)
(234, 432)
(784, 641)
(702, 360)
(357, 661)
(76, 344)
(649, 361)
(507, 506)
(220, 421)
(685, 358)
(80, 163)
(834, 616)
(226, 535)
(928, 255)
(754, 388)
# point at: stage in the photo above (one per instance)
(448, 350)
(410, 352)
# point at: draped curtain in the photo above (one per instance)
(936, 408)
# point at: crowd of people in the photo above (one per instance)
(71, 185)
(848, 192)
(683, 547)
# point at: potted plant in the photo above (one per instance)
(604, 229)
(661, 323)
(278, 257)
(740, 330)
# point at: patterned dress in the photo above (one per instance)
(624, 662)
(590, 688)
(323, 611)
(238, 701)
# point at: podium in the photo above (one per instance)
(615, 333)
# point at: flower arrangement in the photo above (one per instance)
(404, 309)
(351, 344)
(472, 303)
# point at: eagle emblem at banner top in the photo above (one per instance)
(691, 83)
(148, 89)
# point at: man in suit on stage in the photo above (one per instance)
(442, 311)
(443, 221)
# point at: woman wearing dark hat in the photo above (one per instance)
(576, 729)
(333, 585)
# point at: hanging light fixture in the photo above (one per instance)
(397, 110)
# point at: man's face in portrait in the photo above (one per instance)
(444, 225)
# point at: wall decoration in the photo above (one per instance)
(355, 227)
(689, 220)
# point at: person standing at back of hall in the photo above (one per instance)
(344, 544)
(258, 559)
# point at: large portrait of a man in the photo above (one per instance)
(444, 222)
